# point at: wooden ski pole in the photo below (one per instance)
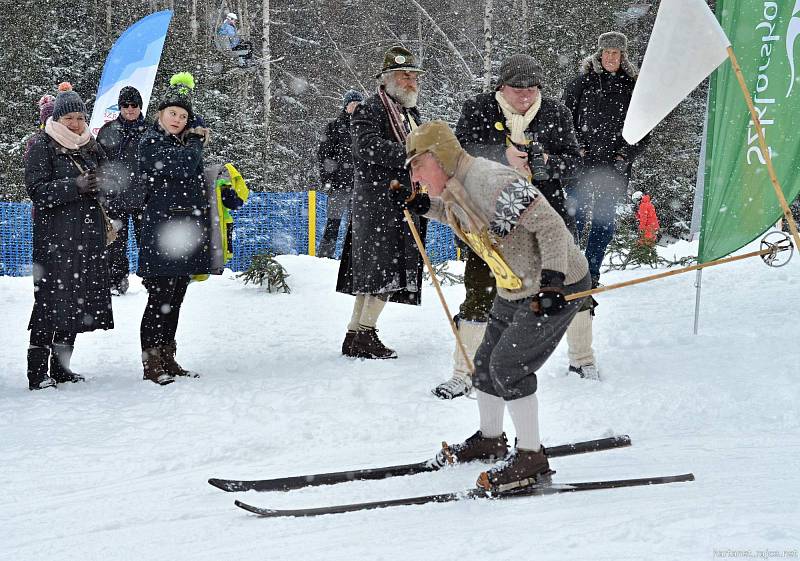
(421, 247)
(667, 274)
(762, 142)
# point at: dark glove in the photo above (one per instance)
(416, 202)
(198, 121)
(622, 166)
(202, 133)
(87, 183)
(550, 298)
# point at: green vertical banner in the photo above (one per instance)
(739, 202)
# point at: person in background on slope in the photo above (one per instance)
(505, 219)
(380, 260)
(120, 139)
(176, 224)
(598, 99)
(70, 270)
(516, 126)
(228, 32)
(335, 159)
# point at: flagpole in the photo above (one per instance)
(697, 284)
(787, 213)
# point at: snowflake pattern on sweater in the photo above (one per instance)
(511, 203)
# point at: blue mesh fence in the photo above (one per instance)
(274, 223)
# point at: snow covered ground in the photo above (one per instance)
(116, 468)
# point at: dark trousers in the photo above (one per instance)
(338, 207)
(118, 264)
(160, 320)
(43, 337)
(594, 194)
(518, 342)
(480, 286)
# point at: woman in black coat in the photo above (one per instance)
(70, 270)
(176, 224)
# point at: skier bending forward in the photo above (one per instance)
(535, 262)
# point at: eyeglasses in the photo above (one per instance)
(126, 105)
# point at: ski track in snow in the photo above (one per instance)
(116, 469)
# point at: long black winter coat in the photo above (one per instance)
(120, 140)
(599, 101)
(379, 255)
(176, 221)
(335, 155)
(482, 132)
(70, 268)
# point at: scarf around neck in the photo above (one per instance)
(65, 137)
(515, 122)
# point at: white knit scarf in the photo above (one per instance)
(65, 137)
(515, 122)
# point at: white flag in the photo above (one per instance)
(686, 45)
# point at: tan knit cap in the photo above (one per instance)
(437, 138)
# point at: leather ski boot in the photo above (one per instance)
(476, 447)
(59, 364)
(522, 468)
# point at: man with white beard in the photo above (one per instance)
(380, 261)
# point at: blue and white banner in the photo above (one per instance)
(132, 61)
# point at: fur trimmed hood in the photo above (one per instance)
(593, 63)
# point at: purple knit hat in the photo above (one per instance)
(46, 105)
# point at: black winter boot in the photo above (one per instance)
(59, 364)
(154, 368)
(169, 363)
(367, 345)
(476, 447)
(522, 468)
(347, 344)
(38, 379)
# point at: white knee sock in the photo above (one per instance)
(525, 414)
(373, 306)
(358, 306)
(579, 339)
(490, 409)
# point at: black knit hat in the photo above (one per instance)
(67, 102)
(398, 58)
(351, 96)
(179, 93)
(129, 94)
(520, 71)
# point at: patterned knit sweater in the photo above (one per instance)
(538, 238)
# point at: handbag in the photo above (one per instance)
(111, 232)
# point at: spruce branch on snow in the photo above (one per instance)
(266, 269)
(444, 276)
(627, 250)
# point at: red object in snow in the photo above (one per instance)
(648, 221)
